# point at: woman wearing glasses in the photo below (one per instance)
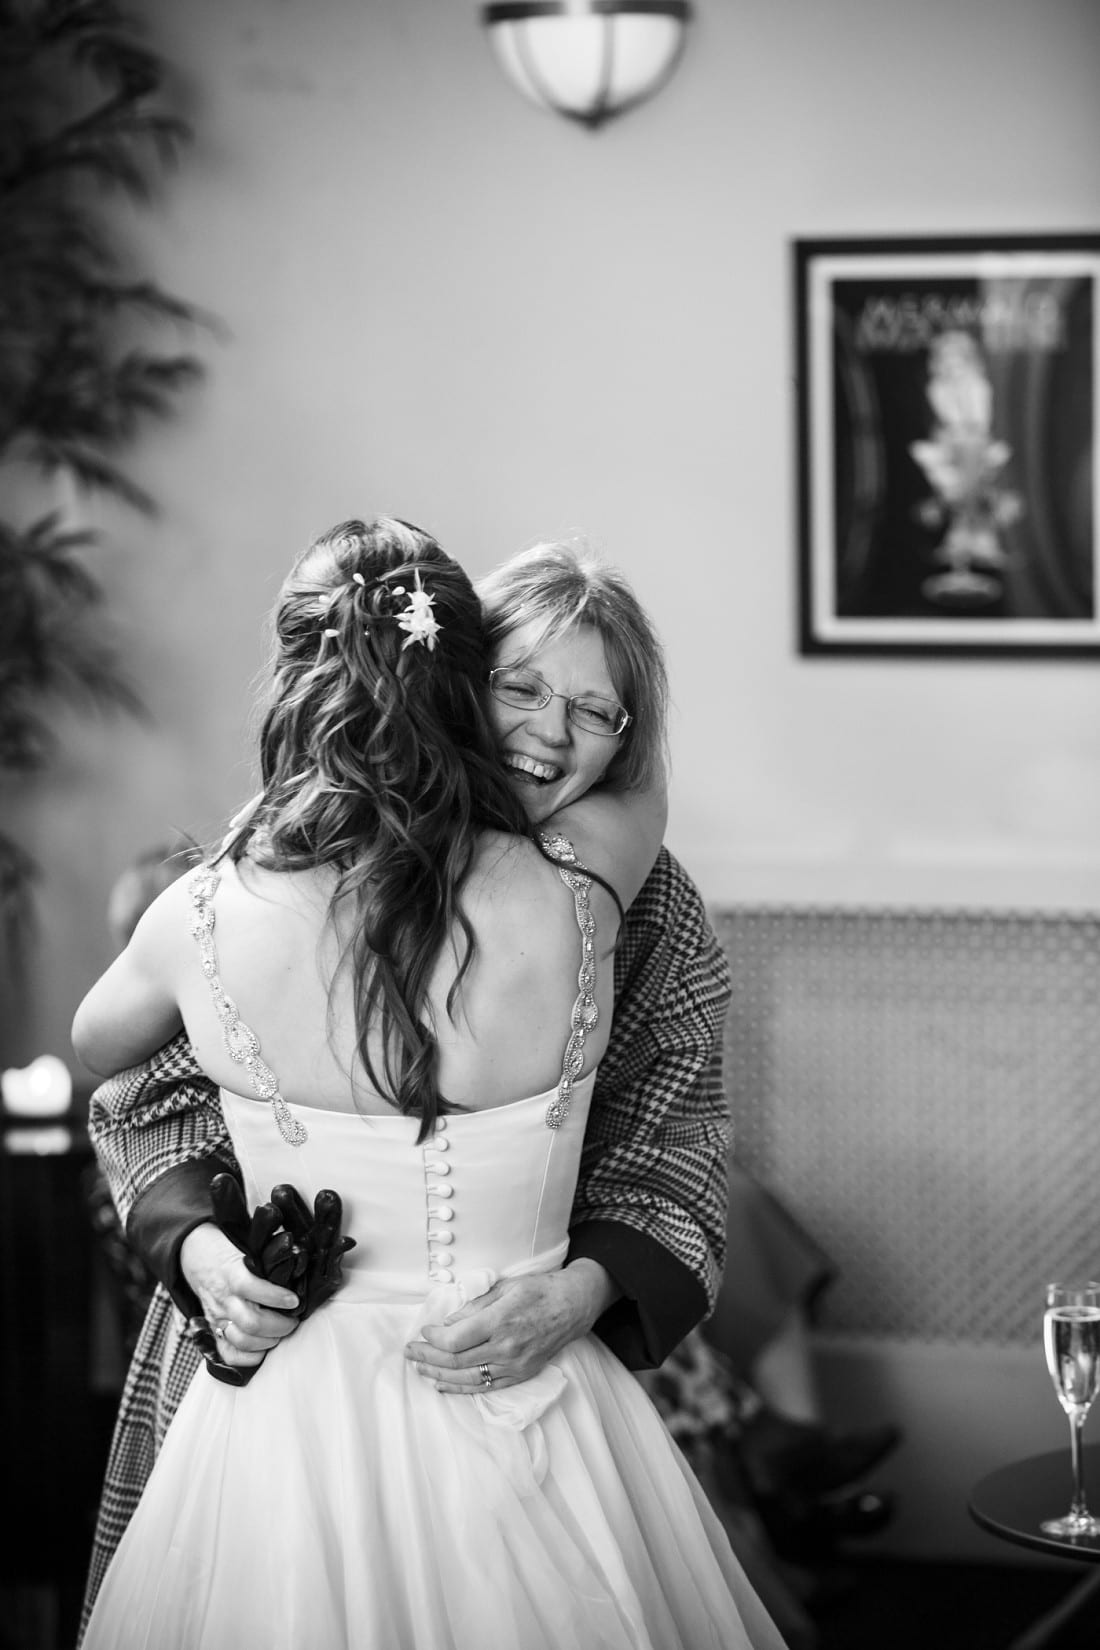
(393, 961)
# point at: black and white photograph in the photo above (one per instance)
(549, 824)
(948, 444)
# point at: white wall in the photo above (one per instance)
(441, 302)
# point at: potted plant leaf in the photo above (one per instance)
(80, 125)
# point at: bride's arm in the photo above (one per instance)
(132, 1011)
(616, 833)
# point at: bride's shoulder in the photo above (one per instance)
(517, 881)
(249, 882)
(506, 862)
(510, 870)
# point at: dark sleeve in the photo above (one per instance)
(651, 1198)
(165, 1212)
(160, 1138)
(662, 1299)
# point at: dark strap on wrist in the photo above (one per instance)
(662, 1299)
(164, 1213)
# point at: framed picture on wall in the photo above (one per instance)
(948, 445)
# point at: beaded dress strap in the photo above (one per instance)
(585, 1013)
(241, 1042)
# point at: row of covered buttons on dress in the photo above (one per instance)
(439, 1194)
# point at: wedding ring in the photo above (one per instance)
(486, 1377)
(220, 1328)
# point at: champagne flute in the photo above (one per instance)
(1071, 1337)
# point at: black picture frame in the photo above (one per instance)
(948, 445)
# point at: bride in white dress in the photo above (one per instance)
(382, 934)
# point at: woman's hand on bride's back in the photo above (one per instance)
(513, 1330)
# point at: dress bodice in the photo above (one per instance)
(490, 1190)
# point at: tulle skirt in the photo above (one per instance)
(339, 1502)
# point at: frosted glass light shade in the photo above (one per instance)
(588, 59)
(42, 1089)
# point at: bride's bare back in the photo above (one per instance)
(279, 956)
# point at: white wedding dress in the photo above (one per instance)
(339, 1502)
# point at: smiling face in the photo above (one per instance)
(550, 761)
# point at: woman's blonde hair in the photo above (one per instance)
(562, 586)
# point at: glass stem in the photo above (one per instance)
(1076, 1427)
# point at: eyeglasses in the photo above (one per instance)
(523, 690)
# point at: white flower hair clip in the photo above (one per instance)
(417, 619)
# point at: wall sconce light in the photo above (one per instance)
(42, 1089)
(588, 59)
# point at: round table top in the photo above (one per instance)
(1013, 1501)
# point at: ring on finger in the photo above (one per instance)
(486, 1376)
(220, 1327)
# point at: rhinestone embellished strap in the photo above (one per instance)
(241, 1042)
(585, 1013)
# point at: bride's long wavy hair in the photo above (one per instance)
(377, 759)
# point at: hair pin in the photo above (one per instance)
(417, 620)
